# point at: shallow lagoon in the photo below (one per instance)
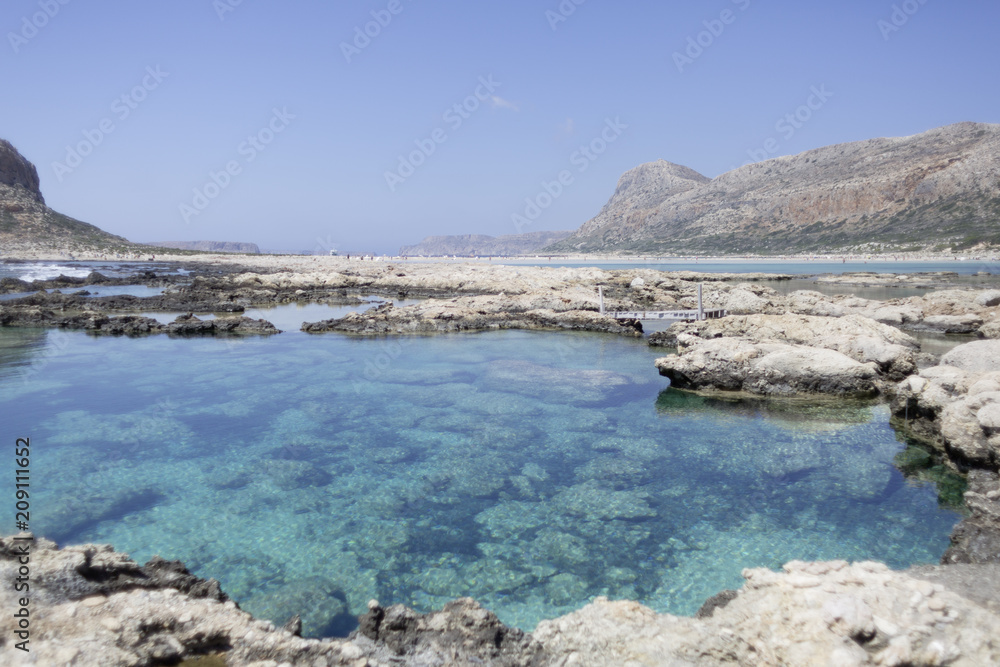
(531, 471)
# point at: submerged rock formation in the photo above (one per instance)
(93, 606)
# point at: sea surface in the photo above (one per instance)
(532, 471)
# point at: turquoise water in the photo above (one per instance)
(531, 471)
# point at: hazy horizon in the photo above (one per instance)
(290, 127)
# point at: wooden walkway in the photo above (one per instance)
(700, 314)
(667, 314)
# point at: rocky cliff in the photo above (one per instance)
(28, 226)
(211, 246)
(467, 245)
(938, 190)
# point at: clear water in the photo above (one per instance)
(531, 471)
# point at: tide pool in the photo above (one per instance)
(529, 470)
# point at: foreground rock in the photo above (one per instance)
(770, 369)
(93, 606)
(810, 614)
(860, 338)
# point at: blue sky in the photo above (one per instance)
(301, 132)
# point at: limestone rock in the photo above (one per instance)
(731, 364)
(858, 337)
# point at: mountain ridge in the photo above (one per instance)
(934, 190)
(481, 244)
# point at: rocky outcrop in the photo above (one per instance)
(210, 246)
(770, 369)
(17, 172)
(977, 538)
(471, 245)
(29, 227)
(919, 191)
(93, 606)
(955, 406)
(132, 325)
(471, 314)
(860, 338)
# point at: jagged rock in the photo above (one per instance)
(977, 538)
(989, 298)
(730, 364)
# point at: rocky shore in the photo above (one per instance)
(94, 606)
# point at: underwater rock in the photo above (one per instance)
(593, 502)
(732, 364)
(91, 507)
(552, 384)
(290, 475)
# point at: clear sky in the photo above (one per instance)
(309, 115)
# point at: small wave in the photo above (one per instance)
(31, 272)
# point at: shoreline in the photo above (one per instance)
(530, 259)
(305, 277)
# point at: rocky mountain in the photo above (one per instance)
(939, 190)
(27, 225)
(478, 244)
(211, 246)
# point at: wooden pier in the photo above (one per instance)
(700, 314)
(667, 314)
